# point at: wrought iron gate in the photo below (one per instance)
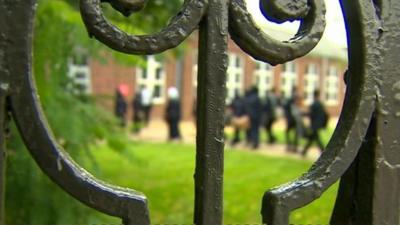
(364, 150)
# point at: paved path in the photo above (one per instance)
(157, 132)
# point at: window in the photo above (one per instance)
(289, 78)
(235, 76)
(81, 88)
(144, 74)
(263, 77)
(194, 73)
(238, 61)
(311, 83)
(289, 67)
(332, 71)
(159, 73)
(153, 78)
(157, 91)
(332, 86)
(312, 69)
(238, 77)
(79, 74)
(80, 59)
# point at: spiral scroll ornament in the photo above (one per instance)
(263, 47)
(180, 27)
(242, 27)
(127, 7)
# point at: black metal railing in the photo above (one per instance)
(364, 150)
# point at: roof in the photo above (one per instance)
(325, 48)
(329, 49)
(333, 44)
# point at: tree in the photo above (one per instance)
(31, 198)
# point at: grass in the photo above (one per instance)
(164, 172)
(325, 135)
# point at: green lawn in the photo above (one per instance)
(279, 133)
(164, 172)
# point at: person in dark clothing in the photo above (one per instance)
(138, 114)
(246, 96)
(318, 119)
(290, 121)
(238, 110)
(120, 107)
(293, 122)
(269, 111)
(253, 109)
(147, 103)
(173, 114)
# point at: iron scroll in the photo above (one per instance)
(211, 89)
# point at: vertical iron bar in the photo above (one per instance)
(354, 200)
(3, 75)
(373, 27)
(3, 113)
(386, 179)
(212, 62)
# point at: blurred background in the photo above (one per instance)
(130, 120)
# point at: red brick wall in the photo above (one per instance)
(301, 65)
(189, 94)
(106, 78)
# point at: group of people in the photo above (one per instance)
(249, 114)
(141, 108)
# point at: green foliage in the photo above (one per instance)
(76, 122)
(78, 125)
(31, 198)
(155, 16)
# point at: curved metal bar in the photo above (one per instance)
(126, 7)
(177, 31)
(359, 106)
(251, 39)
(280, 11)
(129, 205)
(340, 153)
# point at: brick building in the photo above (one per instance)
(321, 69)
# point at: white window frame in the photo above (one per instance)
(311, 82)
(331, 94)
(288, 78)
(263, 77)
(150, 82)
(86, 80)
(232, 83)
(195, 69)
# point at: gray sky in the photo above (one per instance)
(335, 30)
